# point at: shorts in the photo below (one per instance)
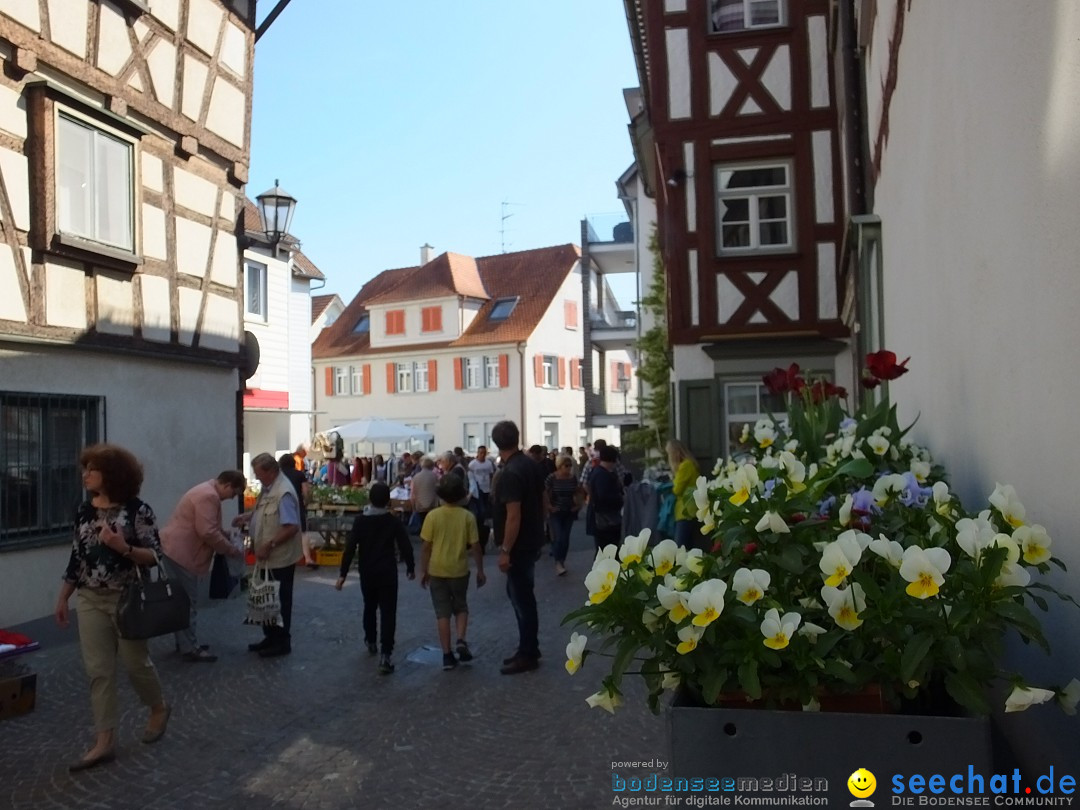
(448, 595)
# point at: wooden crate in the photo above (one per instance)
(330, 556)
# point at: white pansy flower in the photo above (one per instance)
(675, 602)
(743, 482)
(839, 558)
(707, 601)
(879, 444)
(1023, 697)
(778, 629)
(845, 510)
(764, 434)
(942, 498)
(608, 552)
(689, 561)
(1034, 542)
(601, 580)
(1005, 500)
(605, 700)
(574, 651)
(772, 522)
(792, 445)
(924, 569)
(1070, 696)
(634, 547)
(689, 637)
(671, 680)
(887, 487)
(750, 584)
(663, 556)
(845, 605)
(974, 535)
(892, 551)
(811, 630)
(921, 470)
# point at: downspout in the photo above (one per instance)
(521, 355)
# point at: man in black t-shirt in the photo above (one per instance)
(518, 520)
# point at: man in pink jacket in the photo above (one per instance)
(189, 541)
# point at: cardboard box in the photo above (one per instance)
(18, 693)
(330, 557)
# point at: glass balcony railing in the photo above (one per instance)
(609, 229)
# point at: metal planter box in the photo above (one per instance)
(761, 753)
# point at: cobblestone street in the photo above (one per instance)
(321, 729)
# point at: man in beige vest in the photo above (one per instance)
(275, 535)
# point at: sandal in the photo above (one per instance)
(199, 656)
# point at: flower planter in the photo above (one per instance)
(789, 747)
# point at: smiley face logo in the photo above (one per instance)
(862, 783)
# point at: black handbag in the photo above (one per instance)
(222, 582)
(151, 607)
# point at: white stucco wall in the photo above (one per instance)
(187, 436)
(979, 204)
(451, 322)
(273, 332)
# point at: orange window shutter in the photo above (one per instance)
(459, 374)
(436, 319)
(538, 369)
(329, 381)
(391, 378)
(575, 373)
(504, 371)
(615, 376)
(367, 378)
(562, 372)
(433, 375)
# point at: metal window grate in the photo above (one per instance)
(41, 436)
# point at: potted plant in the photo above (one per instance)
(838, 570)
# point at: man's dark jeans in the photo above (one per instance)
(519, 587)
(281, 635)
(561, 524)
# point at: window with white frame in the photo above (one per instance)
(491, 372)
(420, 376)
(404, 378)
(551, 435)
(551, 371)
(743, 15)
(471, 436)
(754, 208)
(95, 189)
(473, 372)
(341, 381)
(255, 290)
(357, 375)
(744, 403)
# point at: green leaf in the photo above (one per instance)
(966, 691)
(856, 468)
(840, 672)
(748, 679)
(791, 559)
(913, 655)
(1038, 600)
(712, 685)
(627, 649)
(954, 651)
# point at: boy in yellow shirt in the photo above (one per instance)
(449, 531)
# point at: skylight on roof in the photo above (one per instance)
(363, 325)
(502, 309)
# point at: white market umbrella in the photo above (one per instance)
(378, 431)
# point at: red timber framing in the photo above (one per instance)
(782, 130)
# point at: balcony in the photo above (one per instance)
(619, 332)
(609, 240)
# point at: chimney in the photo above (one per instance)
(425, 254)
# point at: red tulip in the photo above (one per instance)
(883, 365)
(779, 380)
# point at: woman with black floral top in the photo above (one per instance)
(114, 532)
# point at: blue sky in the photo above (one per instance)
(400, 123)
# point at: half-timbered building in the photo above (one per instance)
(124, 147)
(741, 149)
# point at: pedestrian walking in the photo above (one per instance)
(481, 471)
(449, 532)
(518, 519)
(685, 469)
(189, 540)
(114, 533)
(378, 538)
(563, 496)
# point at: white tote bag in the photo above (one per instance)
(264, 601)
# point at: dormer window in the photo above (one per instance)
(502, 309)
(727, 16)
(363, 326)
(395, 322)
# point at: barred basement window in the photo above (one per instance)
(41, 436)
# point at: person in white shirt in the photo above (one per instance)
(481, 469)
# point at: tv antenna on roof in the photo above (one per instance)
(502, 225)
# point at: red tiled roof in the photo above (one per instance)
(303, 267)
(531, 276)
(446, 274)
(319, 303)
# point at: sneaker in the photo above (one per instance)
(385, 667)
(463, 653)
(515, 657)
(448, 661)
(372, 648)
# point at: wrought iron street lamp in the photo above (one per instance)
(276, 207)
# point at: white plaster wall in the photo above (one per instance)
(299, 360)
(184, 397)
(273, 333)
(979, 203)
(414, 322)
(326, 318)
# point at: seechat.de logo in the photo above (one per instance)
(862, 785)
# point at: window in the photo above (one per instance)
(491, 372)
(94, 183)
(471, 438)
(431, 319)
(357, 375)
(742, 15)
(41, 437)
(404, 378)
(473, 370)
(420, 376)
(744, 404)
(502, 309)
(341, 380)
(551, 371)
(754, 208)
(255, 290)
(395, 322)
(363, 326)
(551, 435)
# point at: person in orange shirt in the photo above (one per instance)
(189, 541)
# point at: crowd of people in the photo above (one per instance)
(519, 499)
